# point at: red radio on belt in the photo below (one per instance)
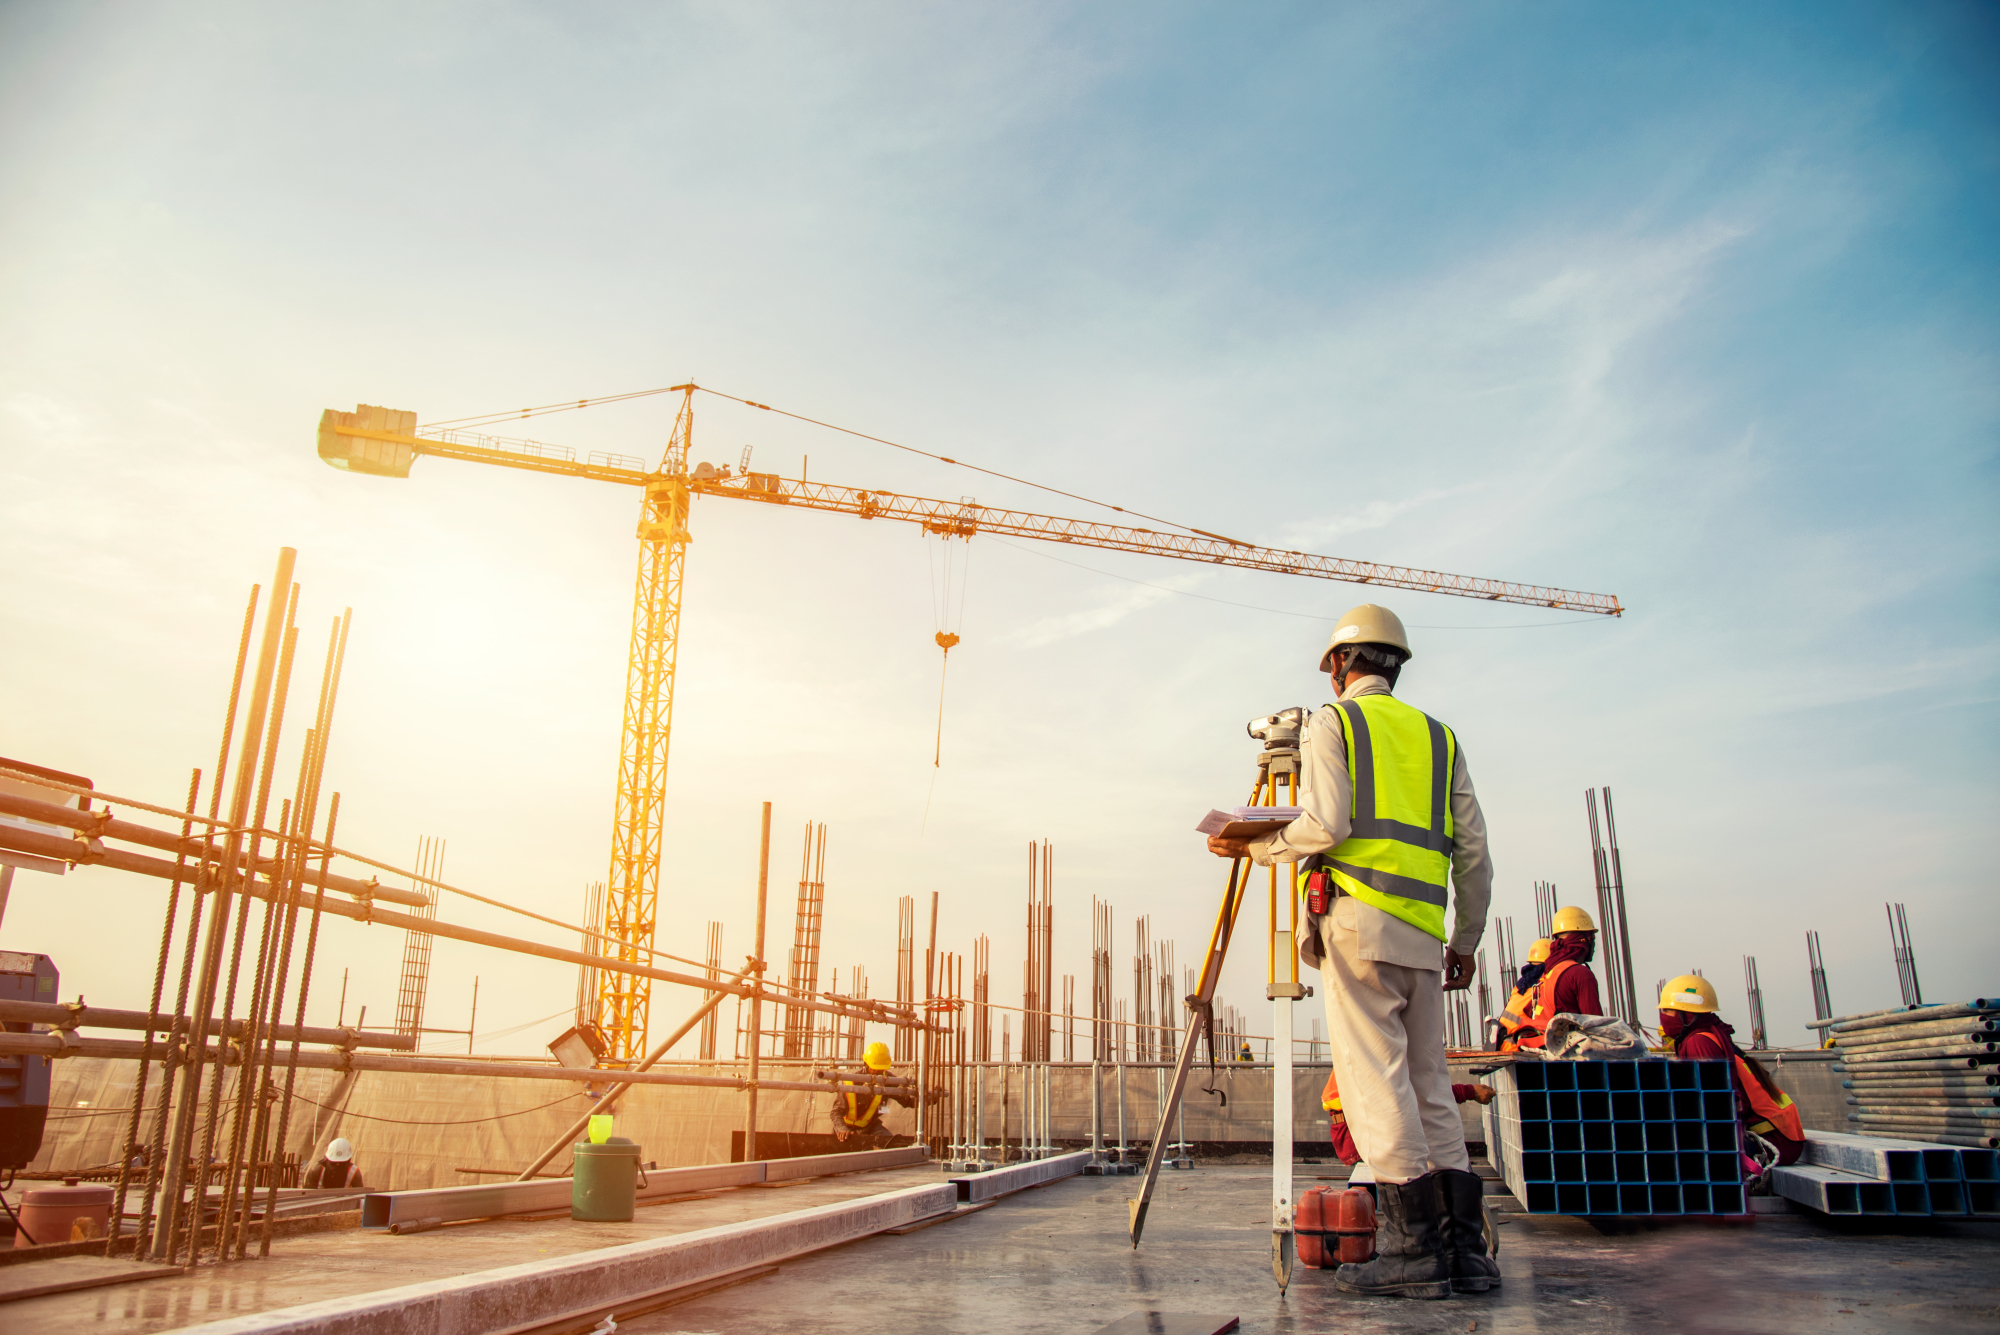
(1319, 891)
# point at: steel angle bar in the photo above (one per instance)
(381, 1209)
(1866, 1156)
(1019, 1177)
(1828, 1190)
(856, 1161)
(485, 1200)
(522, 1296)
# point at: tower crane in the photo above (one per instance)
(385, 442)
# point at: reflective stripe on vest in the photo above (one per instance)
(855, 1117)
(1780, 1116)
(1397, 854)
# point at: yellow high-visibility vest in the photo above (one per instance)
(1397, 855)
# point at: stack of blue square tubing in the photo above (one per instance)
(1634, 1137)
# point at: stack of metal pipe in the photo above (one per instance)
(1923, 1072)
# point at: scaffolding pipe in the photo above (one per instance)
(76, 1015)
(43, 845)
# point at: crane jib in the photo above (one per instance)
(371, 448)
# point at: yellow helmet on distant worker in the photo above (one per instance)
(1539, 952)
(876, 1058)
(1366, 624)
(1689, 992)
(1570, 918)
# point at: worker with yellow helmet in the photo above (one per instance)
(858, 1112)
(1506, 1026)
(1566, 986)
(1696, 1032)
(1391, 835)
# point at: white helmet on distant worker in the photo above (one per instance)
(1367, 624)
(339, 1151)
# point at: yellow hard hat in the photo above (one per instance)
(1539, 952)
(876, 1057)
(1570, 918)
(1366, 624)
(1689, 992)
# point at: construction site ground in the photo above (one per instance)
(1054, 1259)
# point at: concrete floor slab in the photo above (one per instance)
(1054, 1260)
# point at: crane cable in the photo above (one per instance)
(960, 463)
(948, 626)
(571, 405)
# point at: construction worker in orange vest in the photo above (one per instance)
(1567, 986)
(1343, 1139)
(859, 1114)
(1507, 1024)
(1697, 1033)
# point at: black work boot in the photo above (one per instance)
(1473, 1269)
(1412, 1259)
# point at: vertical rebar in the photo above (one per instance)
(213, 1125)
(305, 987)
(131, 1145)
(757, 997)
(1822, 1000)
(203, 1008)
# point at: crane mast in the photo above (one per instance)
(632, 889)
(385, 443)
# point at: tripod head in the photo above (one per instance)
(1280, 734)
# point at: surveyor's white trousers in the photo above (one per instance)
(1387, 1026)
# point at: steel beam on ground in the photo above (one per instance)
(383, 1209)
(1020, 1176)
(604, 1281)
(1827, 1190)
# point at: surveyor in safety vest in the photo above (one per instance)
(859, 1112)
(1504, 1029)
(1689, 1021)
(1389, 826)
(1566, 985)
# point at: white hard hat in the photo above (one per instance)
(339, 1151)
(1369, 623)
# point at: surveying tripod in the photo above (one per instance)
(1277, 785)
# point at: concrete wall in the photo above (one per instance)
(418, 1131)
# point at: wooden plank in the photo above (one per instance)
(60, 1274)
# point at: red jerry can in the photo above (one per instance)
(1334, 1227)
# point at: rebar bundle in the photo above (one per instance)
(906, 976)
(414, 983)
(1754, 996)
(1102, 1026)
(803, 971)
(712, 967)
(1906, 955)
(1037, 1005)
(1822, 1001)
(1613, 938)
(1142, 992)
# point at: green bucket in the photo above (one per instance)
(604, 1182)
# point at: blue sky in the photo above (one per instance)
(1691, 304)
